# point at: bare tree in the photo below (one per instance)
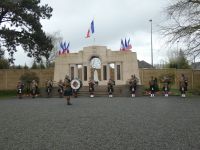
(183, 25)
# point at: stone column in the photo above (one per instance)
(88, 71)
(115, 70)
(120, 64)
(108, 71)
(102, 71)
(75, 70)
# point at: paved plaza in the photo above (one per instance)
(100, 124)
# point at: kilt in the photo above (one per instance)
(68, 92)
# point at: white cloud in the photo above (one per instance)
(114, 19)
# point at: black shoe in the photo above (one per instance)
(69, 104)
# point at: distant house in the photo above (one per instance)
(144, 64)
(195, 65)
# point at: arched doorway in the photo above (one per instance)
(95, 65)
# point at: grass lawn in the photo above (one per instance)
(7, 93)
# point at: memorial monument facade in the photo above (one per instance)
(98, 63)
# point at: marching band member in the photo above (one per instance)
(67, 89)
(110, 87)
(91, 87)
(152, 87)
(166, 82)
(34, 88)
(20, 87)
(133, 85)
(49, 86)
(60, 88)
(183, 83)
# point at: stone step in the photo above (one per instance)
(119, 91)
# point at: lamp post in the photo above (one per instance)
(151, 44)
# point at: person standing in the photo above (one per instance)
(34, 88)
(20, 87)
(183, 83)
(152, 87)
(110, 87)
(166, 82)
(60, 88)
(49, 86)
(67, 89)
(133, 85)
(91, 84)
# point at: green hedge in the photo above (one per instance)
(7, 93)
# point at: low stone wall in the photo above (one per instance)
(9, 77)
(192, 75)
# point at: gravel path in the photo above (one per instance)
(100, 124)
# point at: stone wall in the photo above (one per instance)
(10, 77)
(192, 75)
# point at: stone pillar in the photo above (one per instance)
(88, 71)
(115, 70)
(108, 71)
(75, 70)
(102, 71)
(120, 64)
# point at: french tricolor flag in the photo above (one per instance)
(91, 29)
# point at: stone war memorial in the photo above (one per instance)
(98, 63)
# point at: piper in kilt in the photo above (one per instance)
(110, 87)
(91, 84)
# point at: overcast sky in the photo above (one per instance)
(113, 20)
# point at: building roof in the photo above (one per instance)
(144, 64)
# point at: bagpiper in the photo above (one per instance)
(110, 84)
(166, 82)
(49, 86)
(20, 87)
(152, 87)
(34, 88)
(60, 88)
(67, 89)
(133, 85)
(91, 84)
(183, 83)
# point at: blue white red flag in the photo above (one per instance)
(88, 34)
(67, 48)
(92, 26)
(122, 48)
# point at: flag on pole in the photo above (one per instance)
(64, 48)
(67, 48)
(126, 45)
(122, 45)
(90, 30)
(88, 34)
(129, 44)
(92, 26)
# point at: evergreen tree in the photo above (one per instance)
(20, 25)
